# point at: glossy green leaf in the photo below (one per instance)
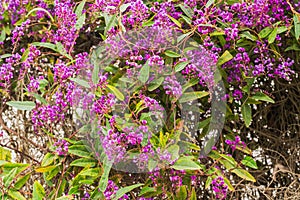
(46, 45)
(38, 191)
(79, 150)
(244, 174)
(16, 195)
(22, 105)
(247, 114)
(249, 162)
(297, 26)
(21, 181)
(209, 3)
(185, 163)
(90, 172)
(262, 97)
(81, 82)
(208, 182)
(265, 32)
(83, 162)
(116, 92)
(182, 193)
(191, 96)
(125, 190)
(272, 36)
(110, 22)
(172, 54)
(80, 22)
(187, 10)
(104, 178)
(193, 195)
(248, 35)
(225, 57)
(48, 159)
(144, 73)
(79, 8)
(180, 66)
(155, 84)
(7, 180)
(175, 21)
(45, 169)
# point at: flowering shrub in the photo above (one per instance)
(128, 99)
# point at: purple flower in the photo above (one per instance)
(220, 188)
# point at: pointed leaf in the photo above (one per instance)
(124, 190)
(247, 114)
(249, 162)
(22, 105)
(144, 73)
(244, 174)
(116, 92)
(38, 191)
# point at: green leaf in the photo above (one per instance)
(21, 181)
(281, 29)
(265, 32)
(45, 169)
(209, 3)
(7, 180)
(175, 21)
(229, 158)
(124, 190)
(2, 36)
(68, 197)
(40, 98)
(208, 182)
(16, 195)
(185, 163)
(110, 22)
(22, 105)
(116, 92)
(41, 9)
(262, 97)
(90, 172)
(79, 150)
(52, 173)
(187, 10)
(81, 82)
(249, 162)
(227, 182)
(227, 164)
(104, 178)
(48, 159)
(95, 75)
(272, 36)
(244, 174)
(172, 54)
(248, 35)
(191, 96)
(294, 47)
(174, 151)
(247, 114)
(38, 191)
(80, 22)
(189, 84)
(146, 190)
(144, 73)
(5, 154)
(297, 26)
(83, 162)
(79, 8)
(225, 57)
(182, 193)
(193, 195)
(155, 84)
(180, 66)
(46, 45)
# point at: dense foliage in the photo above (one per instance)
(132, 99)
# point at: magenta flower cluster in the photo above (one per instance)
(220, 188)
